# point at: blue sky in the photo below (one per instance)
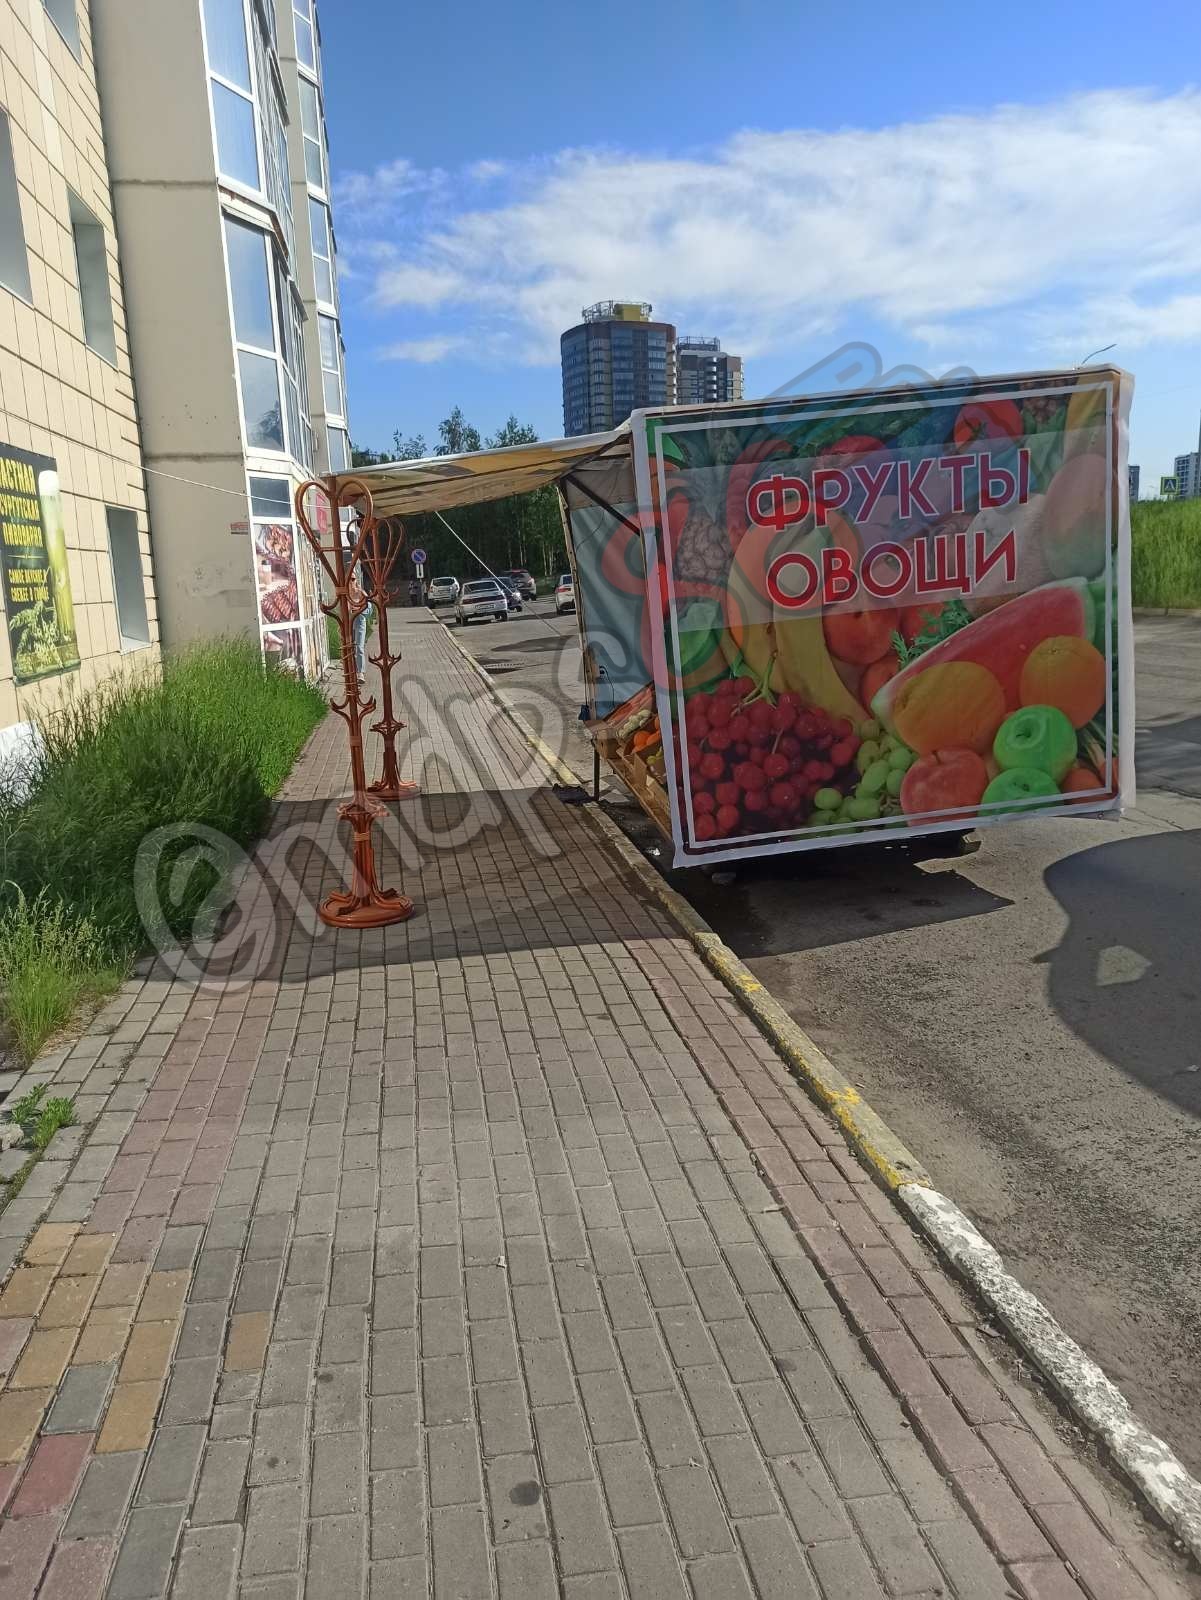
(1001, 187)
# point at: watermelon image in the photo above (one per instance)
(1001, 641)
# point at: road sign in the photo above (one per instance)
(419, 558)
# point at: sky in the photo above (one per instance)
(1002, 188)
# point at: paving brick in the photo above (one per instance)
(80, 1400)
(246, 1347)
(651, 1564)
(222, 1482)
(695, 1511)
(172, 1465)
(50, 1479)
(130, 1417)
(810, 1496)
(741, 1476)
(104, 1494)
(21, 1413)
(272, 1537)
(460, 1549)
(148, 1352)
(526, 1572)
(146, 1553)
(843, 1570)
(516, 1497)
(208, 1564)
(78, 1571)
(44, 1359)
(896, 1547)
(280, 1452)
(25, 1547)
(454, 1466)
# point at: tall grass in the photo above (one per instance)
(1166, 553)
(208, 740)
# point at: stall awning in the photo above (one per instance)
(436, 483)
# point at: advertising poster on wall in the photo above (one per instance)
(275, 571)
(37, 581)
(892, 611)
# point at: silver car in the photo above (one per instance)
(479, 600)
(443, 591)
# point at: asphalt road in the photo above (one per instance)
(1028, 1019)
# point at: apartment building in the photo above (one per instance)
(78, 577)
(613, 361)
(217, 151)
(705, 373)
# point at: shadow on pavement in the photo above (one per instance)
(1126, 976)
(1168, 755)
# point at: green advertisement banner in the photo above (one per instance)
(904, 611)
(37, 582)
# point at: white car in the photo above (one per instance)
(443, 591)
(479, 600)
(565, 594)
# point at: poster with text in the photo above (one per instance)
(37, 580)
(902, 611)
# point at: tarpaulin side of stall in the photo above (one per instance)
(896, 609)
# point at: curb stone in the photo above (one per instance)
(1160, 1477)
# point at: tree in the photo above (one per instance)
(458, 436)
(513, 432)
(411, 449)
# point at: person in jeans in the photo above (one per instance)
(358, 627)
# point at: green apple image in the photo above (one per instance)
(1018, 784)
(1038, 737)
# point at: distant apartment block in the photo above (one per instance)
(1188, 475)
(615, 360)
(705, 373)
(1133, 473)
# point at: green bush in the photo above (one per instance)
(207, 741)
(1165, 567)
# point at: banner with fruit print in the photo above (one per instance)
(896, 610)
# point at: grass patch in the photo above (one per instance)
(208, 740)
(1165, 567)
(51, 962)
(40, 1119)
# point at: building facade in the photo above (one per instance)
(219, 171)
(1133, 477)
(614, 361)
(78, 578)
(1188, 475)
(705, 373)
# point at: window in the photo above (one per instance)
(129, 586)
(225, 38)
(91, 261)
(314, 142)
(339, 449)
(237, 152)
(66, 19)
(254, 332)
(270, 498)
(296, 383)
(331, 365)
(14, 263)
(323, 251)
(306, 44)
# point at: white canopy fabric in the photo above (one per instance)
(436, 483)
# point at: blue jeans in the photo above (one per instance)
(358, 634)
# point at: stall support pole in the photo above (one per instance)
(364, 904)
(381, 551)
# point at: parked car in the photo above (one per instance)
(480, 599)
(512, 592)
(525, 582)
(565, 594)
(443, 591)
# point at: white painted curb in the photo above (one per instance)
(1146, 1460)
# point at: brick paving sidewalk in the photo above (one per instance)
(495, 1254)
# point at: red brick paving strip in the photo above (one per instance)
(493, 1254)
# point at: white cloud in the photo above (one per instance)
(1085, 205)
(436, 348)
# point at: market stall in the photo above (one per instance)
(824, 619)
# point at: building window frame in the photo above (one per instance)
(324, 275)
(14, 273)
(314, 138)
(304, 21)
(336, 370)
(129, 578)
(93, 279)
(64, 14)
